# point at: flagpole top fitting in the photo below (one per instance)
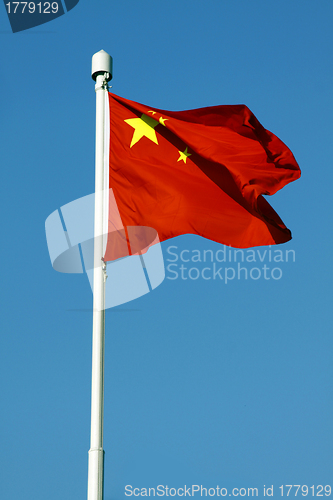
(101, 64)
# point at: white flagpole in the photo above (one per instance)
(101, 73)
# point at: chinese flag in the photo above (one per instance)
(201, 171)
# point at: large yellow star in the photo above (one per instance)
(183, 155)
(143, 127)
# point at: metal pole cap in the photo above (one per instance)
(101, 63)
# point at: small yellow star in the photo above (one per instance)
(143, 127)
(162, 120)
(152, 112)
(183, 155)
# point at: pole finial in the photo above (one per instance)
(101, 63)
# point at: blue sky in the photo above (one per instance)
(206, 383)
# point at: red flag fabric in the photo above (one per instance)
(200, 171)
